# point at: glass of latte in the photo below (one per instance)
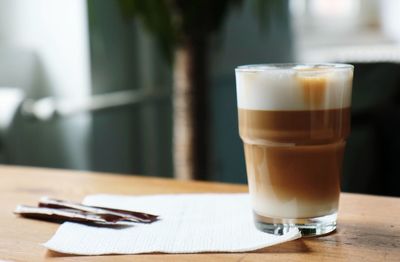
(294, 120)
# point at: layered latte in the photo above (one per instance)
(294, 123)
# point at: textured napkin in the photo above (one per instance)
(190, 223)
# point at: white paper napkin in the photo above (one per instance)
(190, 223)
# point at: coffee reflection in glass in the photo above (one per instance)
(294, 120)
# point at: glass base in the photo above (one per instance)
(308, 227)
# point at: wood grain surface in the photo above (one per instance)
(368, 230)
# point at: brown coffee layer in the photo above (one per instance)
(300, 127)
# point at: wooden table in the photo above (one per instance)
(368, 230)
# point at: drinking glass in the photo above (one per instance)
(294, 120)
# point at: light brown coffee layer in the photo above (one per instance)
(294, 160)
(309, 173)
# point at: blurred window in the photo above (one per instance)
(321, 24)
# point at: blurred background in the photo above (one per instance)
(85, 85)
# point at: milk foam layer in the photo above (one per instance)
(288, 89)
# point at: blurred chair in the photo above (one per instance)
(371, 162)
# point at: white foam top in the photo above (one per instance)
(294, 88)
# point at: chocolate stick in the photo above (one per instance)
(123, 214)
(69, 215)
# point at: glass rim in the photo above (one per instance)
(292, 66)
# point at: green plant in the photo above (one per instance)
(182, 29)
